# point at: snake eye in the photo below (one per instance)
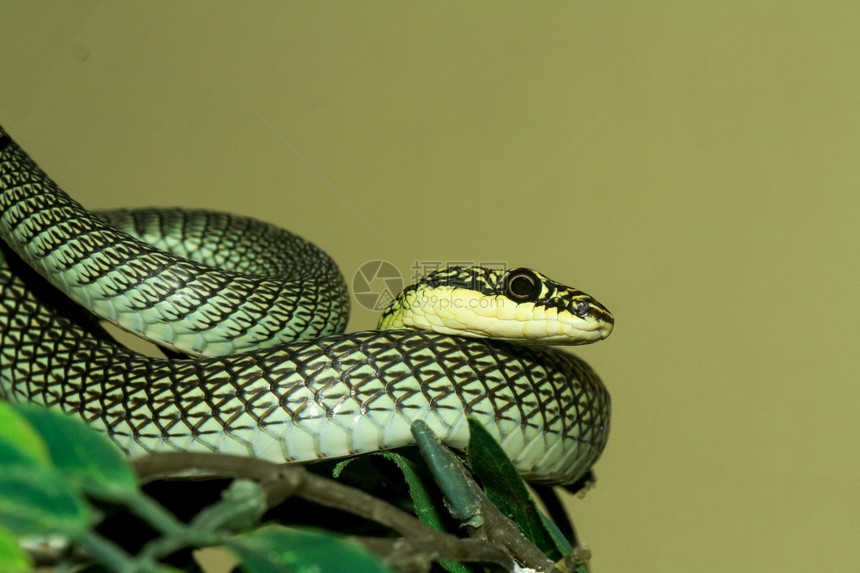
(582, 309)
(522, 285)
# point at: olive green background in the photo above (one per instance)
(692, 165)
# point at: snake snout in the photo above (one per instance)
(597, 312)
(603, 318)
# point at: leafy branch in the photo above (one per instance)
(59, 477)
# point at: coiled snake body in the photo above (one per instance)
(273, 376)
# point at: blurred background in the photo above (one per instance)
(694, 167)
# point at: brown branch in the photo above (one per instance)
(576, 560)
(180, 464)
(408, 555)
(281, 481)
(501, 530)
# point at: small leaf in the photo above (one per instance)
(558, 537)
(13, 559)
(277, 549)
(557, 521)
(20, 444)
(341, 465)
(242, 506)
(38, 501)
(507, 490)
(85, 456)
(425, 509)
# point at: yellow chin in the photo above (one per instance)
(462, 312)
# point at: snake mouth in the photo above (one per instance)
(556, 331)
(604, 322)
(589, 329)
(602, 329)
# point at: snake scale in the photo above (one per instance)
(260, 312)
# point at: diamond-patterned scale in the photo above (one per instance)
(74, 249)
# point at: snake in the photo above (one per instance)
(257, 362)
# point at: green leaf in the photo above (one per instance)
(37, 500)
(242, 505)
(13, 559)
(504, 486)
(558, 537)
(34, 497)
(20, 444)
(557, 519)
(86, 457)
(425, 509)
(277, 549)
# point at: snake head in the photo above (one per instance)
(519, 305)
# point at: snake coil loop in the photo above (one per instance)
(274, 376)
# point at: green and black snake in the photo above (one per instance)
(261, 312)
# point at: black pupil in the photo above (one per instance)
(521, 286)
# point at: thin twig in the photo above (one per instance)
(468, 503)
(299, 483)
(281, 481)
(194, 464)
(330, 493)
(106, 552)
(501, 530)
(407, 555)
